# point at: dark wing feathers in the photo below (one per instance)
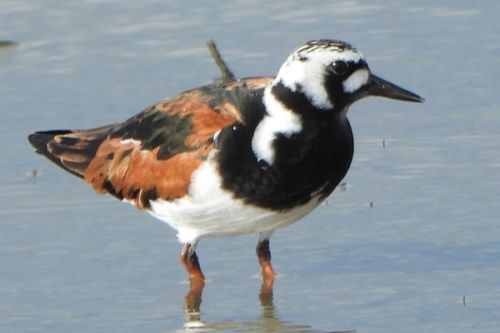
(45, 144)
(153, 154)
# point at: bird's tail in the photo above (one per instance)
(70, 150)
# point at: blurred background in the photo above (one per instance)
(409, 244)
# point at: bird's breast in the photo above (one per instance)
(307, 164)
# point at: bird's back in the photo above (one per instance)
(153, 154)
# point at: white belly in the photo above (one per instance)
(211, 211)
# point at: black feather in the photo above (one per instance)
(41, 140)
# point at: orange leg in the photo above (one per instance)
(264, 255)
(192, 301)
(189, 261)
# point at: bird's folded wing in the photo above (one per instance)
(149, 156)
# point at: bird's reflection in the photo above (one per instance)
(268, 321)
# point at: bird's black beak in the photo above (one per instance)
(377, 86)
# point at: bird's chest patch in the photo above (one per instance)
(211, 210)
(303, 166)
(278, 121)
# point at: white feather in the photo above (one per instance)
(211, 211)
(130, 141)
(356, 80)
(278, 120)
(309, 74)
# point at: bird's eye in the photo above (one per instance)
(339, 67)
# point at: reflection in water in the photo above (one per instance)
(268, 322)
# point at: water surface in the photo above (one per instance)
(411, 245)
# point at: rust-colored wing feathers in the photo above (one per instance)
(124, 169)
(157, 162)
(153, 154)
(149, 156)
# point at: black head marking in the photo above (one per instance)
(303, 57)
(325, 44)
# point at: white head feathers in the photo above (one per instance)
(306, 66)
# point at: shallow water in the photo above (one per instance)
(423, 256)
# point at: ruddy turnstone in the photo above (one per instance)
(230, 158)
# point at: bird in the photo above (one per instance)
(245, 156)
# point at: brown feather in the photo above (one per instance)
(153, 154)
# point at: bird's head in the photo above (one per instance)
(333, 74)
